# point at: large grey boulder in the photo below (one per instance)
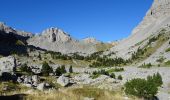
(41, 86)
(63, 81)
(7, 64)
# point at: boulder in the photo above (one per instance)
(63, 81)
(35, 78)
(28, 85)
(19, 80)
(41, 86)
(8, 65)
(27, 80)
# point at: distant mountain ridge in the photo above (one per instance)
(54, 39)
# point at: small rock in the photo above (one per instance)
(28, 85)
(87, 98)
(19, 80)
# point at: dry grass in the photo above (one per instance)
(68, 93)
(76, 94)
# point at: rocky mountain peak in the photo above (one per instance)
(159, 11)
(5, 28)
(90, 40)
(56, 35)
(159, 8)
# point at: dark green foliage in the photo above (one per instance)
(113, 75)
(63, 69)
(153, 39)
(95, 57)
(105, 62)
(102, 72)
(144, 88)
(78, 57)
(60, 70)
(39, 56)
(120, 77)
(71, 69)
(58, 55)
(149, 65)
(25, 68)
(167, 50)
(118, 69)
(160, 60)
(138, 53)
(167, 62)
(46, 69)
(156, 78)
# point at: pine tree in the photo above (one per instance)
(71, 69)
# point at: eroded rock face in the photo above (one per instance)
(7, 29)
(41, 86)
(157, 17)
(63, 81)
(56, 35)
(7, 64)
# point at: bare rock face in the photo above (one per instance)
(55, 39)
(7, 29)
(56, 35)
(7, 64)
(63, 81)
(90, 40)
(157, 17)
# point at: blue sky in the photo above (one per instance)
(106, 20)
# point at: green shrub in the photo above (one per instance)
(113, 75)
(63, 69)
(149, 65)
(96, 74)
(167, 62)
(144, 88)
(46, 69)
(120, 77)
(167, 50)
(71, 69)
(25, 68)
(153, 39)
(160, 60)
(60, 70)
(156, 78)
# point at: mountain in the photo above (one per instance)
(12, 41)
(156, 20)
(55, 39)
(91, 40)
(7, 29)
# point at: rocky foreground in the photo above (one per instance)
(84, 76)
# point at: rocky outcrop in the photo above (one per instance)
(56, 35)
(7, 29)
(63, 81)
(7, 65)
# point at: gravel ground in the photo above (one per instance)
(134, 72)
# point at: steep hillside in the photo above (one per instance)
(157, 18)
